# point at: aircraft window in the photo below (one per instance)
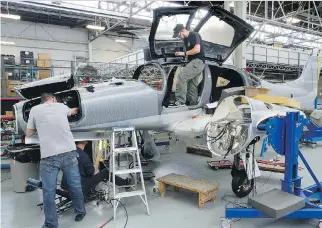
(201, 13)
(166, 25)
(218, 32)
(221, 82)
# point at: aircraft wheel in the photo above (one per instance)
(240, 184)
(233, 171)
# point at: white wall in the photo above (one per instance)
(61, 42)
(105, 49)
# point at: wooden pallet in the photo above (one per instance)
(200, 150)
(271, 168)
(276, 100)
(262, 94)
(207, 190)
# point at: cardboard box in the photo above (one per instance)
(9, 113)
(41, 63)
(43, 56)
(11, 85)
(41, 74)
(9, 92)
(47, 63)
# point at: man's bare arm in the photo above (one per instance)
(30, 132)
(74, 111)
(194, 50)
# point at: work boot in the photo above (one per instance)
(80, 217)
(172, 97)
(176, 104)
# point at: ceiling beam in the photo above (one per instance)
(72, 8)
(284, 25)
(121, 21)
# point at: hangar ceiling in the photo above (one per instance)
(289, 23)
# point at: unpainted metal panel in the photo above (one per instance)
(272, 59)
(283, 60)
(283, 54)
(260, 50)
(272, 52)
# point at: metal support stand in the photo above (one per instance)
(284, 135)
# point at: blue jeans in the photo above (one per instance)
(49, 168)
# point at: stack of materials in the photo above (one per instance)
(26, 58)
(43, 62)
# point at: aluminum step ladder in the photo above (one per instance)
(137, 168)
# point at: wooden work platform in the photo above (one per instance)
(207, 190)
(276, 100)
(261, 94)
(200, 150)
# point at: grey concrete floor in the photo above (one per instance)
(177, 209)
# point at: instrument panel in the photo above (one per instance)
(69, 98)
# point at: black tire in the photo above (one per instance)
(234, 170)
(240, 184)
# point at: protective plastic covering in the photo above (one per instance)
(235, 123)
(149, 149)
(23, 153)
(316, 117)
(192, 127)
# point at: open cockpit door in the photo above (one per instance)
(220, 30)
(161, 41)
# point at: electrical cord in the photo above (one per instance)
(235, 204)
(109, 201)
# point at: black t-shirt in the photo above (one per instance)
(193, 39)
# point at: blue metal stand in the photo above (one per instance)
(313, 133)
(284, 135)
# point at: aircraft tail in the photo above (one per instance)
(309, 78)
(304, 89)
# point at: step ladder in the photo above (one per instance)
(137, 168)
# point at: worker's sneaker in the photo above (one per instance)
(176, 104)
(80, 217)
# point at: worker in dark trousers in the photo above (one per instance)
(87, 171)
(187, 81)
(58, 152)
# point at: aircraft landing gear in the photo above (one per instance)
(235, 166)
(241, 185)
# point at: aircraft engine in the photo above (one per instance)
(234, 124)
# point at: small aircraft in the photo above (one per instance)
(123, 102)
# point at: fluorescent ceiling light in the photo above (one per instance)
(7, 42)
(120, 41)
(292, 20)
(10, 16)
(95, 27)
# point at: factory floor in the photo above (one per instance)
(177, 209)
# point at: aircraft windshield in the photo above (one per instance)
(214, 30)
(166, 25)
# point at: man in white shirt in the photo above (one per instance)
(58, 152)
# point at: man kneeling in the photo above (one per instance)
(87, 170)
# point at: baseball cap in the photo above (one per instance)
(177, 30)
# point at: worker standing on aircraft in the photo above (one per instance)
(187, 81)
